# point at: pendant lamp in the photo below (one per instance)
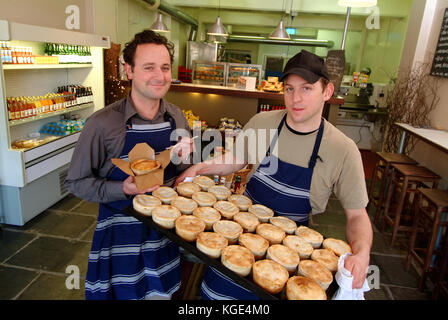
(279, 33)
(159, 26)
(218, 28)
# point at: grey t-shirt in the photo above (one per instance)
(102, 139)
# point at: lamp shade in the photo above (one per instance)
(159, 26)
(357, 3)
(279, 33)
(217, 29)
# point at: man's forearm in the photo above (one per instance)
(96, 189)
(223, 165)
(359, 232)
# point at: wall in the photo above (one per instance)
(421, 39)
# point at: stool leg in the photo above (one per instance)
(390, 191)
(430, 251)
(399, 209)
(383, 189)
(414, 231)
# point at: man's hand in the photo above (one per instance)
(184, 148)
(130, 188)
(192, 171)
(357, 265)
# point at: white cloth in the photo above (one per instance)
(345, 280)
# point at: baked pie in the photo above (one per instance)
(316, 271)
(262, 212)
(255, 243)
(229, 229)
(303, 288)
(144, 203)
(165, 215)
(185, 205)
(270, 275)
(204, 182)
(339, 247)
(221, 192)
(270, 232)
(226, 209)
(247, 220)
(284, 256)
(327, 258)
(208, 215)
(299, 245)
(188, 227)
(204, 199)
(186, 189)
(211, 243)
(166, 194)
(310, 235)
(237, 258)
(285, 223)
(144, 166)
(241, 201)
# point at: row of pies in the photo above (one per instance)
(247, 237)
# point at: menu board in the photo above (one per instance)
(336, 65)
(440, 63)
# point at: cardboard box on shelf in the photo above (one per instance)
(144, 151)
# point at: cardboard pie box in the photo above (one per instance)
(144, 151)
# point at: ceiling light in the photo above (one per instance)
(279, 33)
(159, 26)
(357, 3)
(217, 29)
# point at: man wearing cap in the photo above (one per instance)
(311, 159)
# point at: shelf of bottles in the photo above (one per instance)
(52, 55)
(67, 99)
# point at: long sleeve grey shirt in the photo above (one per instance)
(102, 139)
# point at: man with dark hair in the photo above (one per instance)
(307, 159)
(127, 259)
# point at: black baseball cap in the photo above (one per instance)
(307, 65)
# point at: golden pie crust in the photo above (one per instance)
(188, 227)
(302, 288)
(339, 247)
(299, 245)
(316, 271)
(285, 223)
(229, 229)
(255, 243)
(221, 192)
(165, 194)
(262, 212)
(144, 166)
(144, 203)
(241, 201)
(211, 243)
(226, 209)
(271, 233)
(270, 275)
(185, 205)
(310, 235)
(247, 220)
(204, 182)
(284, 256)
(186, 189)
(204, 199)
(209, 215)
(165, 215)
(237, 258)
(327, 258)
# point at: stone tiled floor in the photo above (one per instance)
(34, 258)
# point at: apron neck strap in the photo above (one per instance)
(314, 156)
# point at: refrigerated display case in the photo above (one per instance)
(211, 73)
(236, 70)
(32, 177)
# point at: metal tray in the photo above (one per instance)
(190, 247)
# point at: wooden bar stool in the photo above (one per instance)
(441, 285)
(430, 218)
(408, 178)
(381, 173)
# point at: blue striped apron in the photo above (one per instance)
(287, 192)
(129, 260)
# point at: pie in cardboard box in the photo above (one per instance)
(144, 151)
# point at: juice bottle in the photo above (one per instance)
(11, 111)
